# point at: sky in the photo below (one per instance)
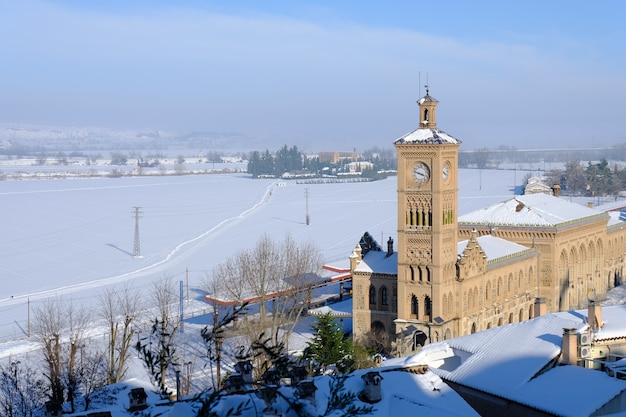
(320, 75)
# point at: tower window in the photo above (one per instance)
(415, 305)
(383, 296)
(372, 295)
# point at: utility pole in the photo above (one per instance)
(136, 246)
(306, 196)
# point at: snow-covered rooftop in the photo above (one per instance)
(379, 262)
(509, 361)
(530, 210)
(427, 136)
(494, 247)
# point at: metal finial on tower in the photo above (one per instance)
(426, 86)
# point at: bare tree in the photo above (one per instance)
(278, 278)
(22, 392)
(119, 310)
(48, 326)
(60, 327)
(158, 349)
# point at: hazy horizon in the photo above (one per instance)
(319, 75)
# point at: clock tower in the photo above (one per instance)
(427, 230)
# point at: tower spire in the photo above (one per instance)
(428, 110)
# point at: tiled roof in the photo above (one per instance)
(514, 361)
(427, 136)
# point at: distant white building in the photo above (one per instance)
(535, 185)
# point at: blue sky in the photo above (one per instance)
(320, 75)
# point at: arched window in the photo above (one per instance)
(427, 307)
(383, 296)
(412, 270)
(415, 306)
(420, 272)
(372, 295)
(425, 115)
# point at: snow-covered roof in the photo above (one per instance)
(509, 361)
(427, 136)
(530, 210)
(427, 99)
(379, 262)
(494, 247)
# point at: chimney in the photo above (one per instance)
(594, 315)
(372, 389)
(569, 348)
(556, 190)
(389, 247)
(540, 307)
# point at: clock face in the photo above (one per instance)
(445, 172)
(421, 172)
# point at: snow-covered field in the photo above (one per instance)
(75, 237)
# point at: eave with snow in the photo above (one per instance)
(527, 368)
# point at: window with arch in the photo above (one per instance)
(427, 307)
(412, 271)
(384, 299)
(415, 306)
(488, 290)
(372, 295)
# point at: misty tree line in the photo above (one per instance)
(293, 161)
(75, 363)
(594, 179)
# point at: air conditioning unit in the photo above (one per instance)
(584, 352)
(584, 339)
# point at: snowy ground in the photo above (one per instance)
(73, 238)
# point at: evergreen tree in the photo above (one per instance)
(328, 345)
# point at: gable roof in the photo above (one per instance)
(516, 361)
(531, 210)
(495, 248)
(379, 262)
